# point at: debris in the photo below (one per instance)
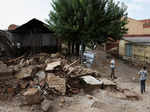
(91, 80)
(108, 83)
(57, 83)
(79, 71)
(46, 105)
(62, 100)
(32, 96)
(52, 66)
(23, 85)
(26, 72)
(131, 95)
(66, 67)
(56, 55)
(90, 97)
(41, 75)
(126, 94)
(5, 71)
(75, 90)
(30, 91)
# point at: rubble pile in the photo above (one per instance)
(42, 75)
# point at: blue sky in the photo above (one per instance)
(21, 11)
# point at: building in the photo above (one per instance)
(135, 45)
(33, 36)
(6, 46)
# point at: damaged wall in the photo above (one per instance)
(35, 39)
(139, 53)
(6, 45)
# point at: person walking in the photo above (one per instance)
(143, 76)
(112, 66)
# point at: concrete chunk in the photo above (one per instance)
(107, 82)
(91, 80)
(5, 71)
(57, 83)
(25, 72)
(46, 105)
(32, 96)
(52, 66)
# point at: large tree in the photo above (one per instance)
(84, 21)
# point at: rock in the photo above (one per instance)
(131, 95)
(32, 96)
(119, 95)
(75, 90)
(62, 100)
(90, 97)
(10, 90)
(57, 83)
(52, 66)
(5, 71)
(26, 72)
(46, 105)
(91, 80)
(23, 85)
(61, 105)
(55, 55)
(41, 75)
(30, 91)
(79, 71)
(108, 84)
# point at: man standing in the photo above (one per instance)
(112, 66)
(143, 76)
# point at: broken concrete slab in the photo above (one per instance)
(30, 91)
(26, 72)
(57, 83)
(107, 82)
(32, 96)
(91, 80)
(56, 55)
(79, 71)
(5, 71)
(52, 66)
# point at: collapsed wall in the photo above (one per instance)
(6, 46)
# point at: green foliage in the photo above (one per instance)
(87, 20)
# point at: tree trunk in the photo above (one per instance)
(83, 48)
(69, 48)
(77, 49)
(72, 48)
(59, 45)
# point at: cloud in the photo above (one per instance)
(141, 1)
(137, 9)
(20, 11)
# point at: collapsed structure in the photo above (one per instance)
(33, 36)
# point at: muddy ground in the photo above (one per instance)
(97, 100)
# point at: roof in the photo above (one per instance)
(145, 20)
(137, 39)
(31, 25)
(139, 35)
